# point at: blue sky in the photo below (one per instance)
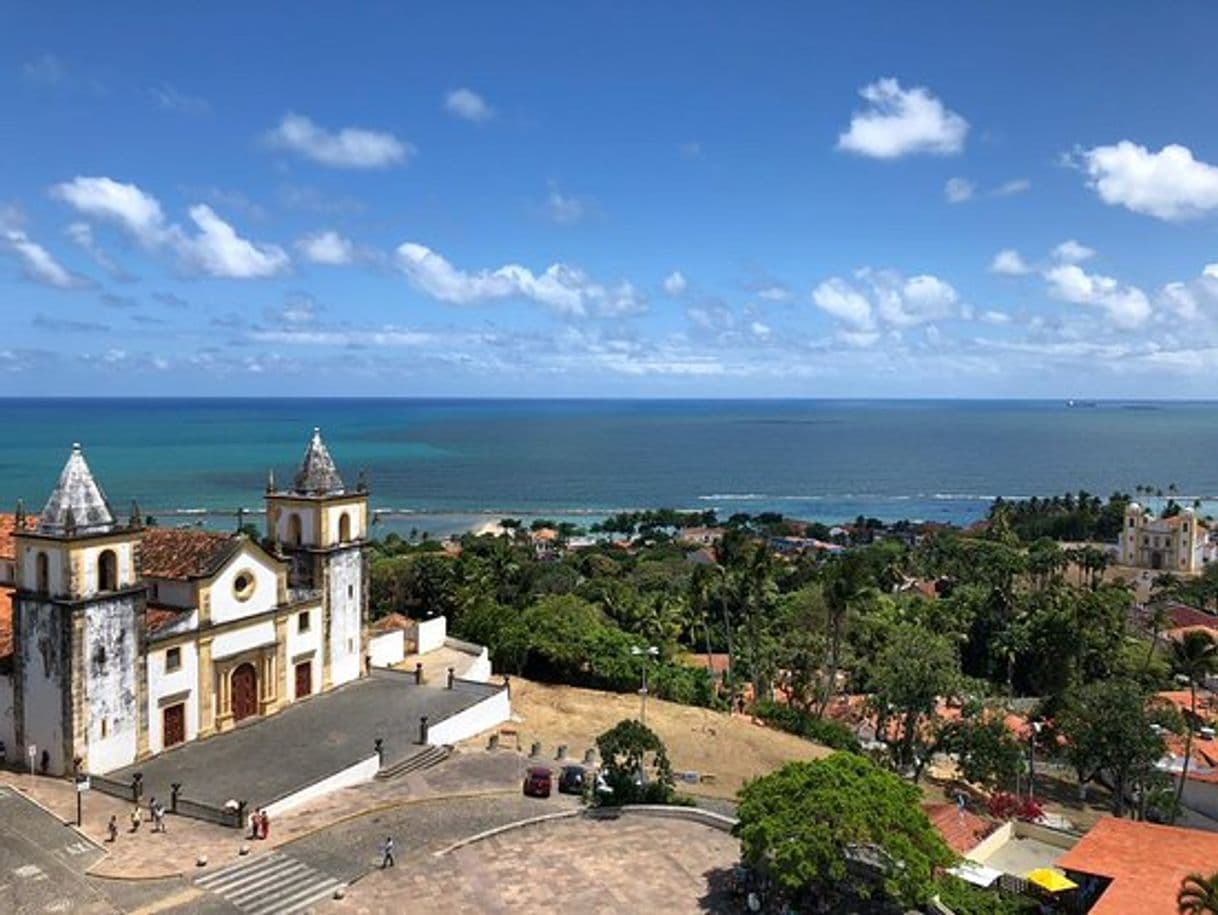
(639, 199)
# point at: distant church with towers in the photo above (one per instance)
(120, 640)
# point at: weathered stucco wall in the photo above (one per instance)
(8, 725)
(111, 713)
(46, 672)
(226, 606)
(346, 588)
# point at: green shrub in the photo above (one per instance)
(804, 724)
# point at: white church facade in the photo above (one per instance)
(119, 641)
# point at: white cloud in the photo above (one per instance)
(327, 248)
(958, 190)
(469, 105)
(82, 234)
(1012, 187)
(1072, 252)
(675, 283)
(1169, 184)
(844, 302)
(219, 251)
(563, 209)
(564, 289)
(39, 264)
(1126, 306)
(760, 330)
(994, 317)
(1009, 262)
(350, 147)
(775, 294)
(47, 70)
(886, 296)
(170, 99)
(216, 249)
(900, 122)
(104, 198)
(1182, 301)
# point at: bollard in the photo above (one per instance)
(507, 684)
(422, 729)
(418, 674)
(562, 751)
(451, 672)
(379, 746)
(536, 751)
(137, 786)
(493, 743)
(174, 790)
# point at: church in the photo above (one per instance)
(119, 640)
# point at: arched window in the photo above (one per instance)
(107, 571)
(42, 573)
(344, 528)
(294, 534)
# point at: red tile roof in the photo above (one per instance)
(960, 829)
(8, 526)
(181, 553)
(158, 616)
(6, 623)
(1145, 863)
(1184, 615)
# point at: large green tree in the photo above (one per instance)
(840, 827)
(1198, 895)
(1194, 657)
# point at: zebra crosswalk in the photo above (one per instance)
(271, 884)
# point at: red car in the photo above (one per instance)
(538, 781)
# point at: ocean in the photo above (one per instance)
(445, 465)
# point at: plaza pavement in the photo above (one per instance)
(308, 741)
(636, 864)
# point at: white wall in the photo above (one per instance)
(57, 578)
(358, 774)
(355, 511)
(431, 634)
(255, 635)
(490, 712)
(477, 665)
(388, 648)
(224, 603)
(304, 646)
(125, 566)
(110, 664)
(307, 534)
(346, 624)
(45, 670)
(162, 683)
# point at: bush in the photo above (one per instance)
(804, 724)
(628, 750)
(964, 899)
(1003, 805)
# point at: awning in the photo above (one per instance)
(974, 873)
(1049, 879)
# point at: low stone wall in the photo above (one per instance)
(359, 773)
(388, 648)
(489, 712)
(430, 634)
(479, 667)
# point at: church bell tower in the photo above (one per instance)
(77, 623)
(321, 526)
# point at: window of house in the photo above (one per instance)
(42, 573)
(243, 585)
(173, 659)
(107, 571)
(105, 727)
(303, 622)
(350, 590)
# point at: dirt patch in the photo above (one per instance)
(729, 748)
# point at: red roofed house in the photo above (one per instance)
(1137, 867)
(118, 641)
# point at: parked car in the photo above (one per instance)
(538, 782)
(571, 780)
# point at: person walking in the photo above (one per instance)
(266, 825)
(387, 853)
(158, 817)
(135, 818)
(112, 828)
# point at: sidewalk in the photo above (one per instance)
(148, 855)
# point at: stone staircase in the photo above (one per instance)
(423, 758)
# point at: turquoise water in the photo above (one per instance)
(447, 464)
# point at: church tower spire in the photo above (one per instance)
(77, 504)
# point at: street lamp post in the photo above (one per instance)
(1034, 732)
(646, 653)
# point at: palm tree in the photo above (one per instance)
(1194, 657)
(1198, 895)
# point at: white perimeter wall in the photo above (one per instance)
(358, 774)
(431, 634)
(388, 648)
(161, 684)
(490, 712)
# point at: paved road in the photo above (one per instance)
(42, 862)
(274, 884)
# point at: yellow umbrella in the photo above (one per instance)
(1049, 879)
